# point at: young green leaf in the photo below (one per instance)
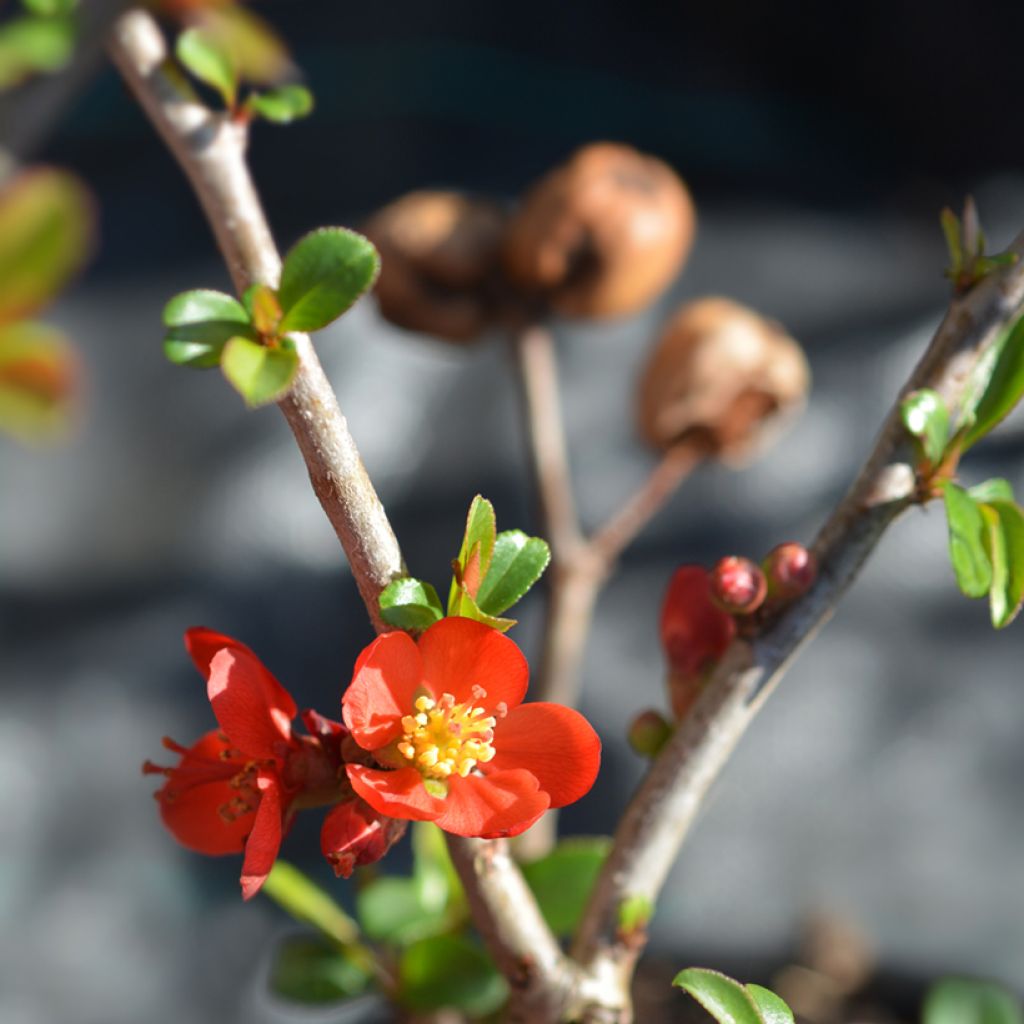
(309, 970)
(49, 8)
(46, 225)
(517, 563)
(773, 1010)
(38, 373)
(995, 489)
(1001, 389)
(437, 882)
(726, 1000)
(562, 880)
(260, 301)
(392, 910)
(1005, 548)
(282, 105)
(410, 604)
(300, 896)
(967, 542)
(199, 324)
(450, 971)
(206, 57)
(475, 553)
(259, 374)
(323, 275)
(963, 1001)
(31, 45)
(634, 913)
(927, 419)
(460, 603)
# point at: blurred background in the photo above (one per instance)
(882, 783)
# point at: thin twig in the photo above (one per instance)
(662, 811)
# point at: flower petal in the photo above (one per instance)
(194, 795)
(265, 839)
(354, 833)
(554, 743)
(252, 707)
(387, 677)
(397, 794)
(466, 658)
(493, 806)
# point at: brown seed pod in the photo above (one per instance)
(722, 376)
(439, 258)
(602, 235)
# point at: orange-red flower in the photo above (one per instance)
(239, 786)
(451, 739)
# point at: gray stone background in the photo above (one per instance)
(883, 781)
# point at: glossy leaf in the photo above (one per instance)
(1005, 547)
(963, 1001)
(259, 374)
(33, 45)
(995, 489)
(450, 971)
(517, 563)
(209, 60)
(773, 1010)
(967, 542)
(323, 275)
(282, 105)
(310, 970)
(926, 418)
(38, 377)
(562, 880)
(410, 604)
(1003, 387)
(462, 604)
(726, 1000)
(199, 324)
(475, 552)
(45, 230)
(392, 910)
(300, 896)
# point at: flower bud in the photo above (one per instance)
(694, 634)
(790, 570)
(737, 585)
(439, 261)
(602, 235)
(723, 376)
(354, 834)
(649, 733)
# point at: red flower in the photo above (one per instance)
(238, 787)
(444, 720)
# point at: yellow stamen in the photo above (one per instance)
(444, 738)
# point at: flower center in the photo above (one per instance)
(444, 738)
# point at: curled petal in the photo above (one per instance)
(501, 804)
(466, 659)
(554, 743)
(354, 833)
(388, 675)
(264, 841)
(252, 707)
(397, 794)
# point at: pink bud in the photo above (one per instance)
(737, 585)
(649, 733)
(791, 570)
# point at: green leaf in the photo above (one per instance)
(45, 230)
(1005, 548)
(450, 971)
(437, 882)
(206, 57)
(49, 8)
(410, 604)
(962, 1001)
(281, 105)
(926, 418)
(475, 553)
(392, 910)
(517, 563)
(199, 324)
(562, 880)
(323, 275)
(301, 897)
(38, 376)
(967, 541)
(309, 970)
(1002, 387)
(634, 913)
(467, 608)
(32, 45)
(992, 490)
(726, 1000)
(259, 374)
(773, 1010)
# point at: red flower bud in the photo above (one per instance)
(791, 570)
(737, 585)
(649, 733)
(355, 834)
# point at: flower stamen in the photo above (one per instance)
(443, 738)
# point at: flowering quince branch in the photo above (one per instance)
(663, 809)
